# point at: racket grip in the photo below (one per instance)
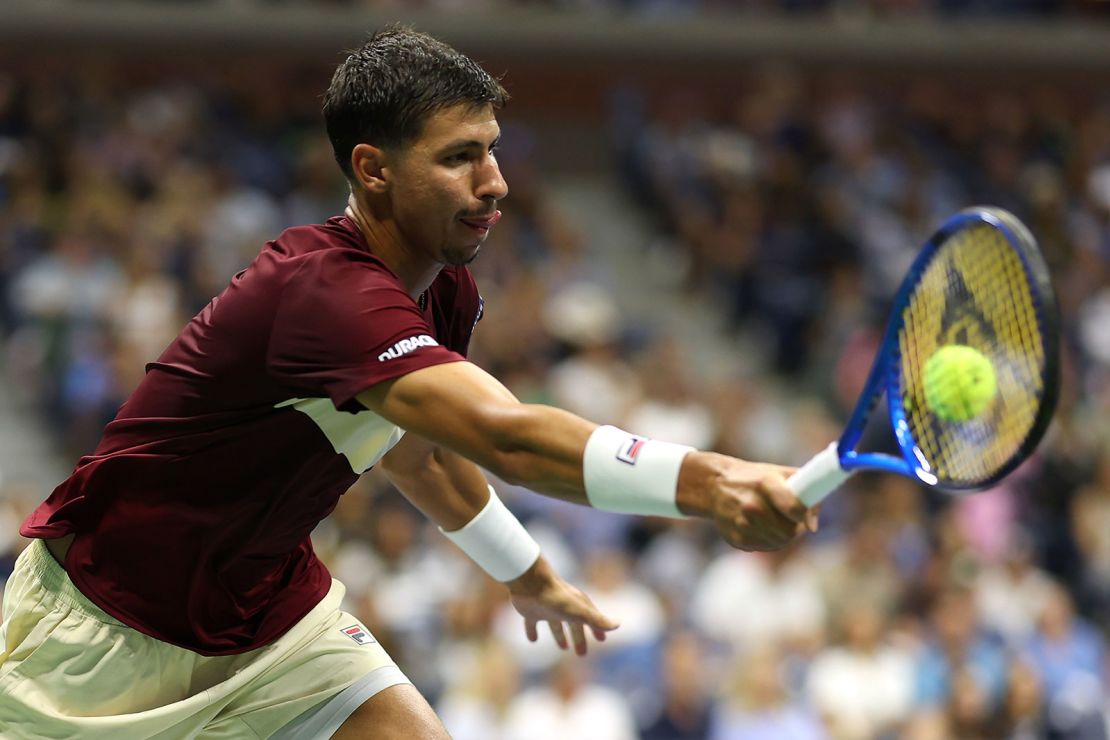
(819, 477)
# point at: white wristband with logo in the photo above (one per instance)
(631, 474)
(496, 541)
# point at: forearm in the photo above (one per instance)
(698, 476)
(549, 458)
(446, 488)
(450, 490)
(545, 452)
(453, 493)
(541, 447)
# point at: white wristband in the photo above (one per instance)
(632, 475)
(496, 541)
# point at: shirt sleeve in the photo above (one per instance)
(342, 326)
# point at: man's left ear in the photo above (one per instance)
(370, 168)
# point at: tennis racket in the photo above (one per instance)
(979, 282)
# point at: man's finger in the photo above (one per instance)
(530, 630)
(813, 512)
(784, 500)
(598, 621)
(784, 470)
(785, 529)
(773, 531)
(559, 634)
(767, 528)
(578, 632)
(813, 518)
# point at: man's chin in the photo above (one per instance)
(460, 257)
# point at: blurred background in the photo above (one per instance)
(712, 202)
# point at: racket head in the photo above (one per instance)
(981, 282)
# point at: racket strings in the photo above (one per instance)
(974, 293)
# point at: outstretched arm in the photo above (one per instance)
(461, 407)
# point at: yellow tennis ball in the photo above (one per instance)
(959, 382)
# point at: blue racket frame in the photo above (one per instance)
(886, 373)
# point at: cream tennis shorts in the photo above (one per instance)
(69, 670)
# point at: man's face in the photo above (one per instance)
(445, 185)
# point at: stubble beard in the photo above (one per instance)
(461, 258)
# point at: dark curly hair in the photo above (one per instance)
(384, 91)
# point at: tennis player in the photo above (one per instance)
(172, 590)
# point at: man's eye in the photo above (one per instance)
(459, 158)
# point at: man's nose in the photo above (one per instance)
(492, 184)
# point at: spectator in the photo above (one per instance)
(969, 706)
(1090, 520)
(748, 599)
(862, 686)
(958, 650)
(756, 703)
(569, 705)
(859, 567)
(1021, 716)
(670, 556)
(1010, 595)
(670, 408)
(634, 605)
(627, 662)
(1069, 656)
(592, 378)
(477, 706)
(686, 673)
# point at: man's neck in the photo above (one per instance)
(385, 242)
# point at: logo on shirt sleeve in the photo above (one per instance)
(405, 346)
(358, 634)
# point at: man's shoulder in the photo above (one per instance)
(319, 250)
(335, 238)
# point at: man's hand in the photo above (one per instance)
(748, 502)
(540, 595)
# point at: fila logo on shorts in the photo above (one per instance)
(407, 345)
(630, 450)
(358, 634)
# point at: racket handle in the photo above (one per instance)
(819, 477)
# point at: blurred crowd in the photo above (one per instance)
(947, 9)
(794, 203)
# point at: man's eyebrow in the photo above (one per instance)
(469, 143)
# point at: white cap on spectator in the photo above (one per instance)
(582, 314)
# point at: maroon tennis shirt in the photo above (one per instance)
(192, 516)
